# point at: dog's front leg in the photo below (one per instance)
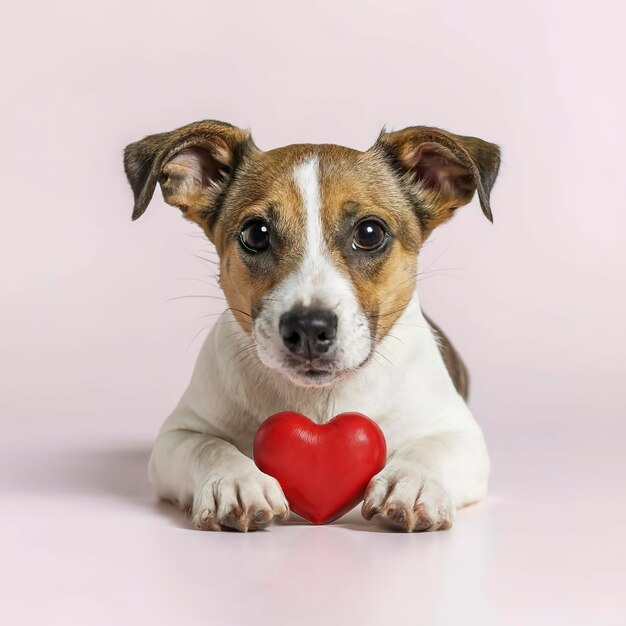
(222, 486)
(426, 480)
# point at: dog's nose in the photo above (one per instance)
(308, 333)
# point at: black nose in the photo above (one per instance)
(308, 333)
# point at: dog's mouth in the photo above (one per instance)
(317, 372)
(310, 372)
(314, 377)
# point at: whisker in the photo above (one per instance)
(195, 296)
(205, 260)
(419, 280)
(442, 269)
(433, 261)
(412, 326)
(390, 358)
(394, 337)
(230, 308)
(203, 329)
(198, 280)
(383, 315)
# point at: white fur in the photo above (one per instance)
(315, 282)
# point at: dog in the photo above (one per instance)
(318, 247)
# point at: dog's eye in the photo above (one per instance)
(255, 236)
(369, 236)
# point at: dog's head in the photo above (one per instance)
(317, 243)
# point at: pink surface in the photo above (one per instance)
(92, 356)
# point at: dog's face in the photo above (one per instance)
(318, 244)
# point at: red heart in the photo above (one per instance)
(323, 469)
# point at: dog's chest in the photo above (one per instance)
(401, 388)
(401, 400)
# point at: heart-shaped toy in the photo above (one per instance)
(323, 469)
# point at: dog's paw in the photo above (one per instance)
(248, 501)
(406, 496)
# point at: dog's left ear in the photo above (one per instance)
(441, 170)
(193, 165)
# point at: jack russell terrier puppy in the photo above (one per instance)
(318, 248)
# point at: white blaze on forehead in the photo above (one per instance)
(306, 176)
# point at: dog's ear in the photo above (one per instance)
(441, 170)
(193, 165)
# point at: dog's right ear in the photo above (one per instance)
(193, 165)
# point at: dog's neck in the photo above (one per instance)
(410, 339)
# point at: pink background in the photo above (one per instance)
(93, 356)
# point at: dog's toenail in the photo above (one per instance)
(369, 512)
